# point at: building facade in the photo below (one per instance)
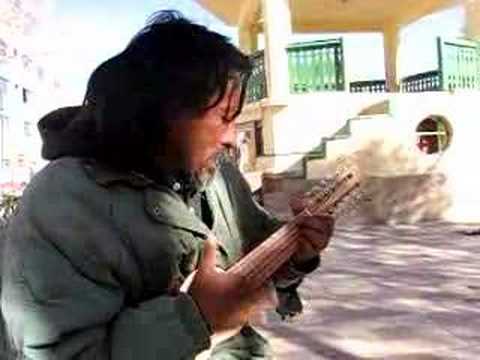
(412, 137)
(27, 89)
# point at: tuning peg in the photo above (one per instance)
(320, 191)
(343, 164)
(350, 204)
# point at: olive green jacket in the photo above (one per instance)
(94, 259)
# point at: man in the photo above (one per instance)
(137, 198)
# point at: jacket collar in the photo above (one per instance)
(162, 203)
(168, 208)
(106, 177)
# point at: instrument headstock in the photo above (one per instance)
(337, 195)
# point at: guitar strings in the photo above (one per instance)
(274, 260)
(283, 248)
(272, 256)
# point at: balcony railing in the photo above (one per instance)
(316, 66)
(319, 66)
(427, 81)
(257, 85)
(372, 86)
(458, 68)
(459, 63)
(313, 66)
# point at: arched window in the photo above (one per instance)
(434, 134)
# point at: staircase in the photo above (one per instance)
(346, 140)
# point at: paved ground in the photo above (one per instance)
(404, 292)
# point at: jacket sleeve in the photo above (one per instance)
(63, 306)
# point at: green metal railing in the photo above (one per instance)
(257, 84)
(459, 64)
(313, 66)
(458, 68)
(319, 66)
(427, 81)
(316, 66)
(372, 86)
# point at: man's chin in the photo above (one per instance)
(206, 173)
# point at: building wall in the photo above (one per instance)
(407, 185)
(290, 132)
(28, 88)
(458, 162)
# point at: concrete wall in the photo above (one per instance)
(290, 132)
(315, 116)
(405, 184)
(458, 162)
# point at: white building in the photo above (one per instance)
(27, 89)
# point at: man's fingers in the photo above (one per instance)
(316, 232)
(326, 218)
(297, 204)
(323, 224)
(314, 241)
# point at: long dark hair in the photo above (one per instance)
(172, 69)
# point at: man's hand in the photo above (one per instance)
(315, 230)
(225, 299)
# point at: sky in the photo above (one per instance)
(83, 33)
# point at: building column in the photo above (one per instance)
(391, 37)
(277, 28)
(248, 26)
(472, 19)
(247, 38)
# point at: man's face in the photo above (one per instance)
(200, 140)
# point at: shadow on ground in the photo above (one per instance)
(389, 292)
